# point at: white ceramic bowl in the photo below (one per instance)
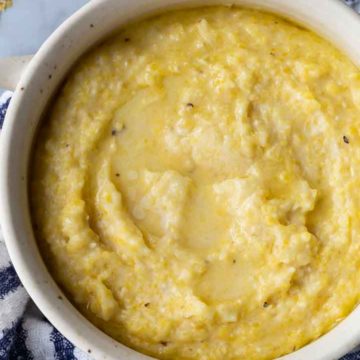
(44, 73)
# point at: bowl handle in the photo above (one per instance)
(11, 69)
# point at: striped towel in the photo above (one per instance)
(25, 334)
(355, 4)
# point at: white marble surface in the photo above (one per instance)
(25, 26)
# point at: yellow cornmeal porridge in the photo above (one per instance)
(196, 186)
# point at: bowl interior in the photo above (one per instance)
(91, 24)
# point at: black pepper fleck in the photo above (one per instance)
(113, 132)
(91, 25)
(190, 105)
(89, 351)
(163, 343)
(60, 297)
(67, 145)
(117, 174)
(127, 39)
(346, 139)
(147, 304)
(265, 304)
(22, 89)
(50, 76)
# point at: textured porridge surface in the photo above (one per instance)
(195, 185)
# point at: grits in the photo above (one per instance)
(195, 187)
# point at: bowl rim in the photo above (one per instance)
(33, 273)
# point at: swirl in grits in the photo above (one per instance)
(195, 186)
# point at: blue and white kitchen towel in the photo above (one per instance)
(25, 334)
(355, 4)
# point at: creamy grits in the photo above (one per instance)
(195, 186)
